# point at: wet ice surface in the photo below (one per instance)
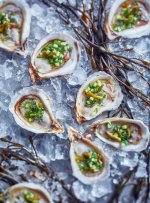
(52, 149)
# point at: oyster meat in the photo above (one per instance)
(28, 192)
(129, 19)
(122, 133)
(98, 94)
(89, 163)
(57, 54)
(15, 19)
(32, 111)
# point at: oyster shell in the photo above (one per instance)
(32, 111)
(45, 65)
(105, 96)
(130, 135)
(20, 191)
(15, 18)
(79, 146)
(139, 26)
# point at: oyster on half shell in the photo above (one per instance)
(122, 133)
(28, 192)
(98, 94)
(128, 18)
(15, 20)
(89, 163)
(31, 109)
(57, 54)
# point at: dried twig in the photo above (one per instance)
(91, 34)
(16, 151)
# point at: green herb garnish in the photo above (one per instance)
(2, 197)
(94, 93)
(4, 21)
(30, 197)
(7, 22)
(129, 16)
(89, 161)
(118, 132)
(57, 52)
(34, 110)
(109, 125)
(3, 18)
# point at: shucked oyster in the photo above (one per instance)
(98, 94)
(89, 164)
(32, 111)
(125, 134)
(56, 55)
(129, 19)
(15, 19)
(28, 193)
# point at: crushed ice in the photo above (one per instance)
(14, 75)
